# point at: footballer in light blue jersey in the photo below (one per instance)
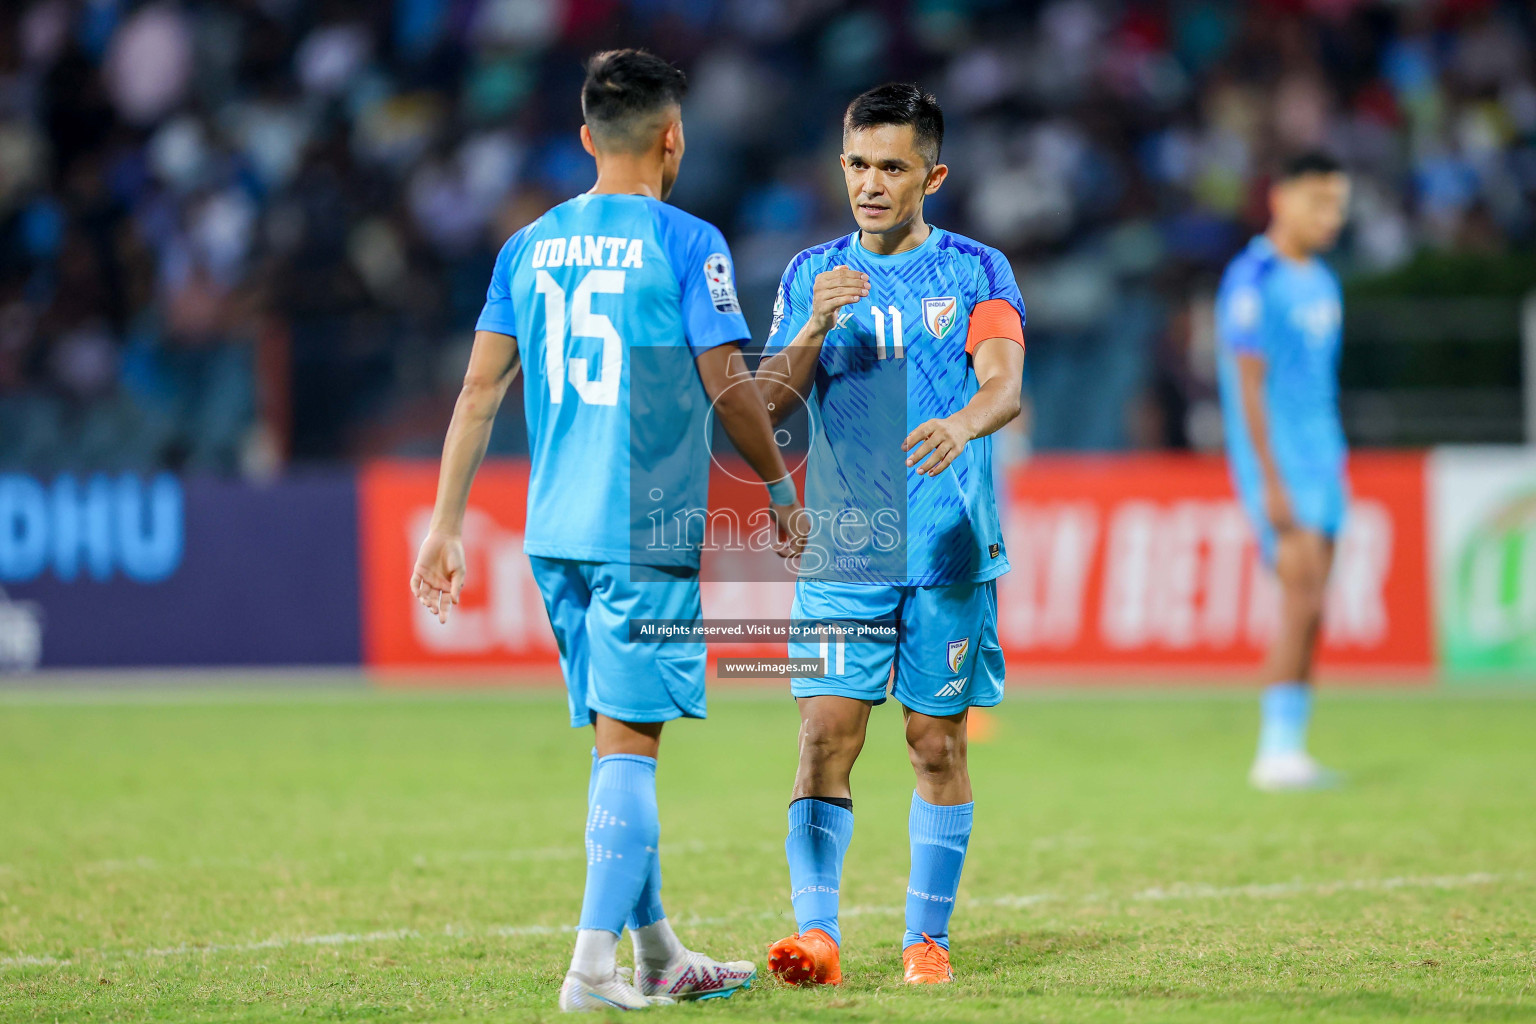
(1288, 314)
(621, 313)
(896, 359)
(906, 344)
(1279, 318)
(611, 298)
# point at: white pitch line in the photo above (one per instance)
(1177, 891)
(1274, 889)
(568, 851)
(334, 939)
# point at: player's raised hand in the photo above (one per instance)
(438, 577)
(834, 289)
(939, 441)
(792, 526)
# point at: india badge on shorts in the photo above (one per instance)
(957, 651)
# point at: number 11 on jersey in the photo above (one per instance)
(880, 333)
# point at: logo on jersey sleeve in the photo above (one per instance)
(1244, 308)
(957, 651)
(722, 284)
(778, 311)
(940, 315)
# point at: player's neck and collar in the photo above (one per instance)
(624, 174)
(903, 242)
(1283, 248)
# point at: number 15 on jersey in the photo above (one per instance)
(583, 324)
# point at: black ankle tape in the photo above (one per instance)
(846, 803)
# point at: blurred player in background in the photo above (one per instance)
(581, 299)
(1278, 317)
(908, 342)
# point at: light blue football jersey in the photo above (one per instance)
(1291, 314)
(895, 359)
(610, 298)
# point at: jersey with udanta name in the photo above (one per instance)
(610, 298)
(898, 357)
(1290, 313)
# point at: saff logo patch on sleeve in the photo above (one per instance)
(1245, 308)
(939, 315)
(722, 283)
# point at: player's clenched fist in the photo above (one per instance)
(792, 525)
(834, 289)
(438, 577)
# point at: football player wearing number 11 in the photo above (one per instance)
(607, 303)
(907, 343)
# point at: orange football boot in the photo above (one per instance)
(927, 963)
(809, 959)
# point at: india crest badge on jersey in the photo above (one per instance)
(957, 649)
(940, 315)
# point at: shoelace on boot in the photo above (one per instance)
(931, 957)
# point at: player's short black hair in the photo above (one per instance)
(900, 103)
(624, 94)
(1312, 161)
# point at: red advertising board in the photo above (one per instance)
(501, 620)
(1148, 562)
(1119, 562)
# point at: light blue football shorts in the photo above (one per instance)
(1319, 502)
(590, 606)
(946, 655)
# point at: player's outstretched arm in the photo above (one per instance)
(438, 576)
(784, 378)
(1251, 371)
(999, 365)
(738, 404)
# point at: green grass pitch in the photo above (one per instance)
(345, 854)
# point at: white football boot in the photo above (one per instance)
(1290, 771)
(696, 976)
(581, 994)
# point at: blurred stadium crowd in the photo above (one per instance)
(239, 232)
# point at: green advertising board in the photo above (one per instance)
(1483, 503)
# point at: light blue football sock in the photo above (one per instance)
(592, 779)
(819, 834)
(1286, 710)
(648, 910)
(648, 906)
(622, 832)
(939, 835)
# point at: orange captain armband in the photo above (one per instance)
(993, 318)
